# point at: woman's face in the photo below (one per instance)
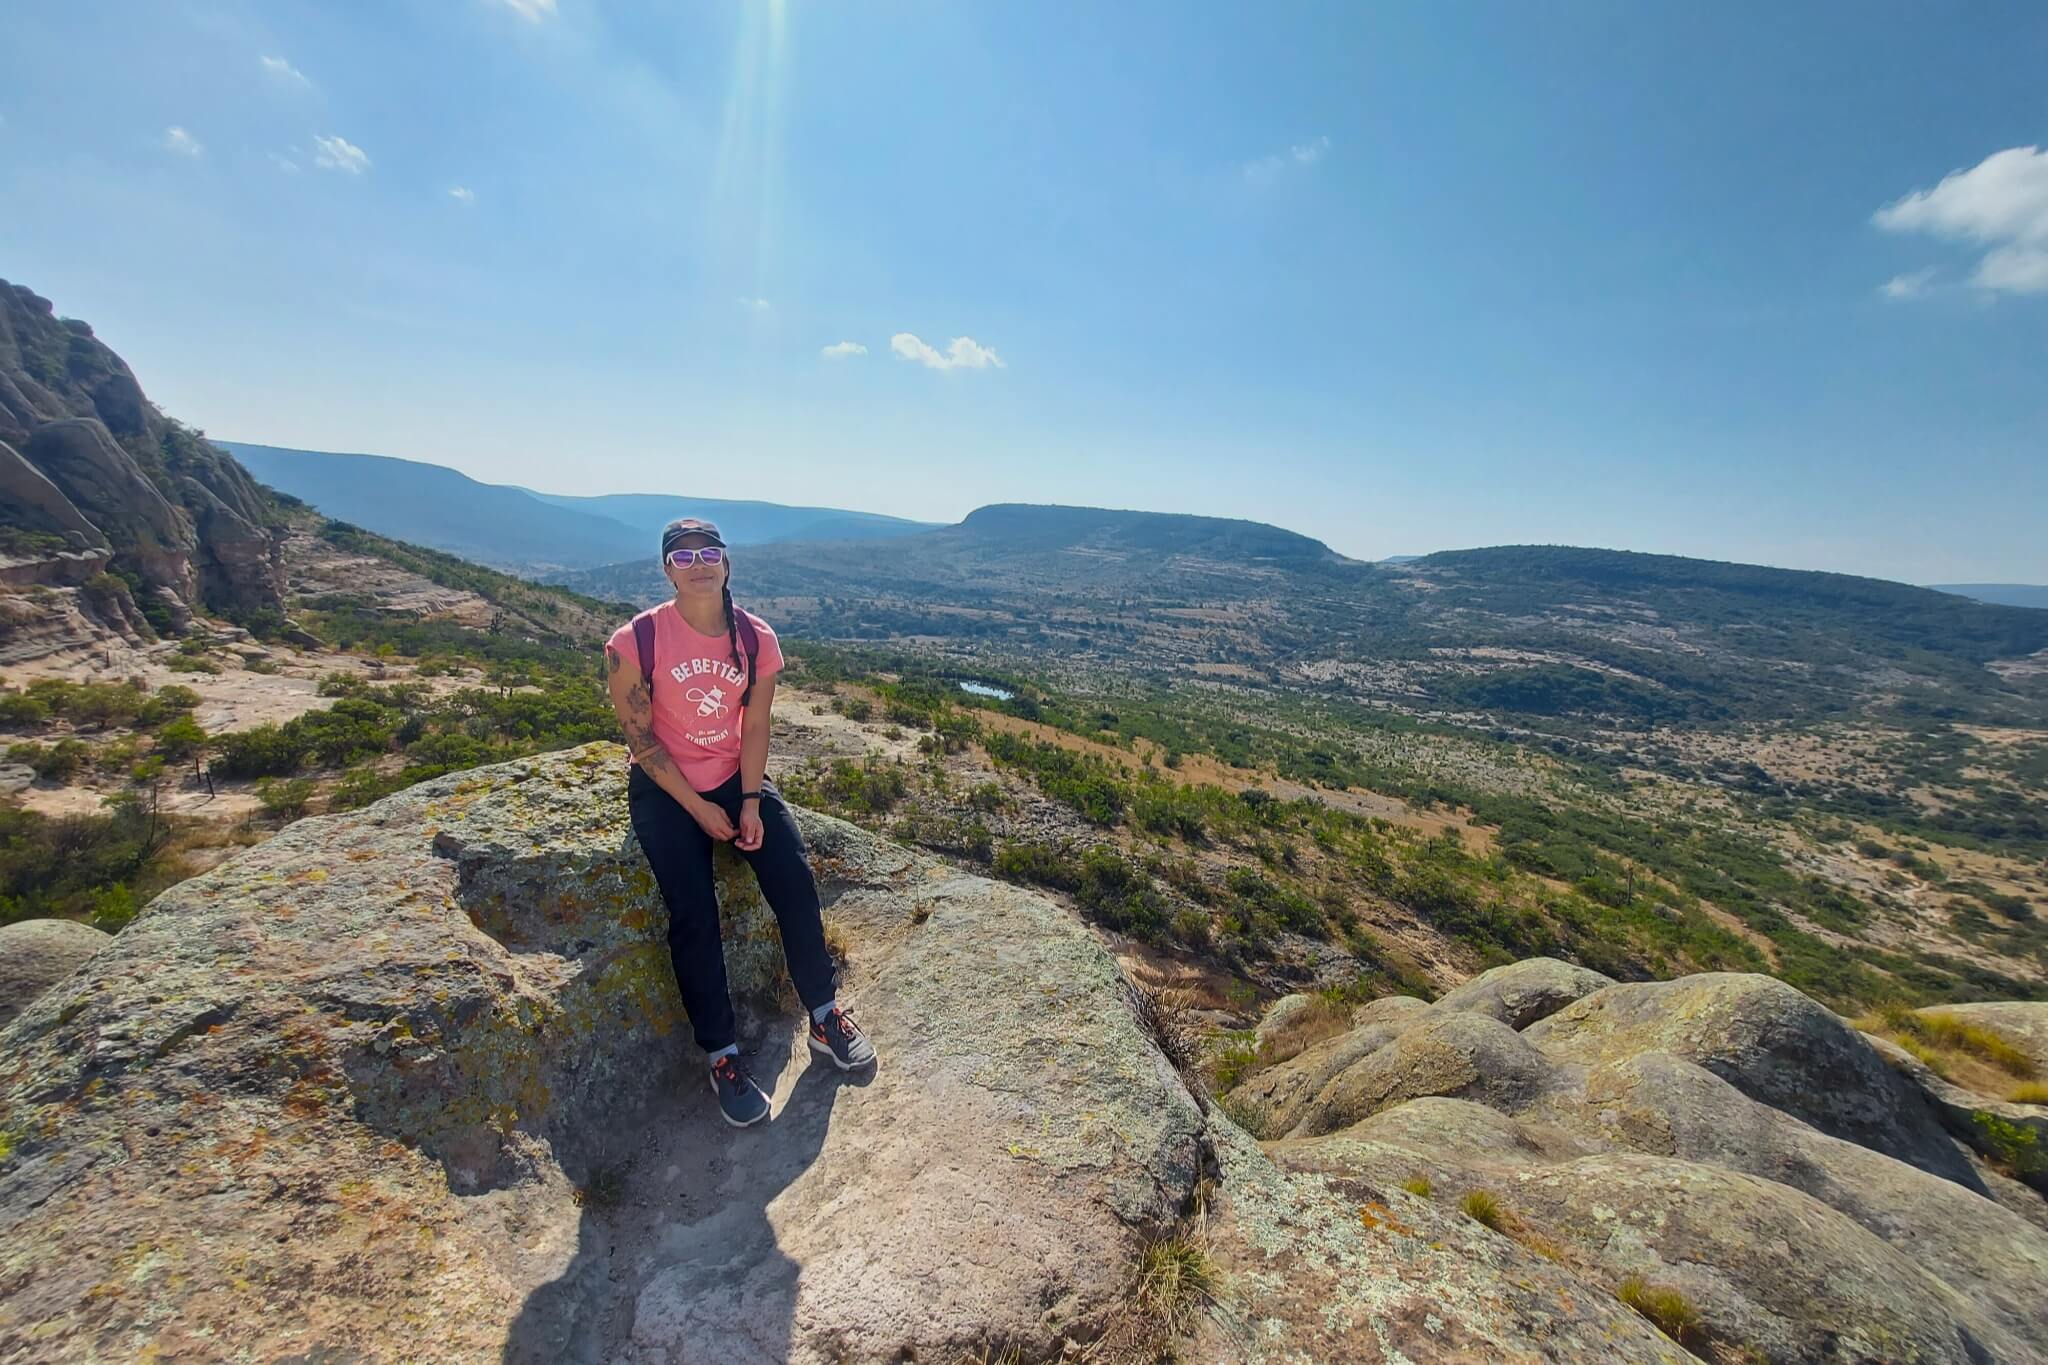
(697, 577)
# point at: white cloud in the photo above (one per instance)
(463, 193)
(1300, 154)
(1910, 285)
(758, 305)
(962, 353)
(533, 11)
(840, 350)
(283, 71)
(339, 154)
(2001, 203)
(183, 143)
(285, 164)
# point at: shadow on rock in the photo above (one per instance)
(677, 1256)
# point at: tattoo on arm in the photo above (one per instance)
(612, 661)
(637, 716)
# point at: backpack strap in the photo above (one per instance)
(750, 645)
(643, 641)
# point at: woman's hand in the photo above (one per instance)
(713, 821)
(750, 826)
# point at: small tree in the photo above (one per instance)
(179, 738)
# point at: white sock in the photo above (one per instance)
(824, 1012)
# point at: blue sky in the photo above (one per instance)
(1755, 282)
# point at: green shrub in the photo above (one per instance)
(1249, 1114)
(285, 800)
(1120, 894)
(1236, 1056)
(179, 738)
(263, 751)
(1039, 864)
(59, 762)
(2019, 1148)
(191, 663)
(21, 711)
(1418, 1185)
(165, 704)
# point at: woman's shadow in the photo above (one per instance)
(675, 1251)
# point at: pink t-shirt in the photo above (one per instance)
(697, 690)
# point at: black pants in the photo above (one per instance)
(679, 851)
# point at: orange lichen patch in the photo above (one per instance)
(1375, 1216)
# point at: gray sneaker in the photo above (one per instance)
(739, 1099)
(839, 1038)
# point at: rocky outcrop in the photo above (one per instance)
(79, 455)
(1520, 993)
(85, 456)
(422, 1063)
(36, 504)
(411, 1083)
(1720, 1135)
(35, 954)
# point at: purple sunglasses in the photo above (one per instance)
(683, 559)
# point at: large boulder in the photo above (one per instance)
(1329, 1265)
(35, 954)
(1458, 1055)
(1520, 993)
(1772, 1043)
(411, 1082)
(1723, 1137)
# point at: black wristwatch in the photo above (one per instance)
(749, 796)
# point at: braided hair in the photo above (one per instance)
(732, 635)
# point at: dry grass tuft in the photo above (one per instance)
(1418, 1185)
(1324, 1018)
(2031, 1092)
(1176, 1281)
(1966, 1054)
(1670, 1311)
(1167, 1017)
(1945, 1031)
(1483, 1207)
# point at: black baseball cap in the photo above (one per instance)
(673, 533)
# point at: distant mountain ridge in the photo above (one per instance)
(441, 508)
(519, 530)
(742, 521)
(2001, 594)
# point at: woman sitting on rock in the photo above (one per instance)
(693, 681)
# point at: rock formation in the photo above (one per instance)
(411, 1082)
(92, 476)
(35, 954)
(1720, 1135)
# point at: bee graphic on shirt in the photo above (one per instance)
(709, 703)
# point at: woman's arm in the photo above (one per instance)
(754, 758)
(635, 707)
